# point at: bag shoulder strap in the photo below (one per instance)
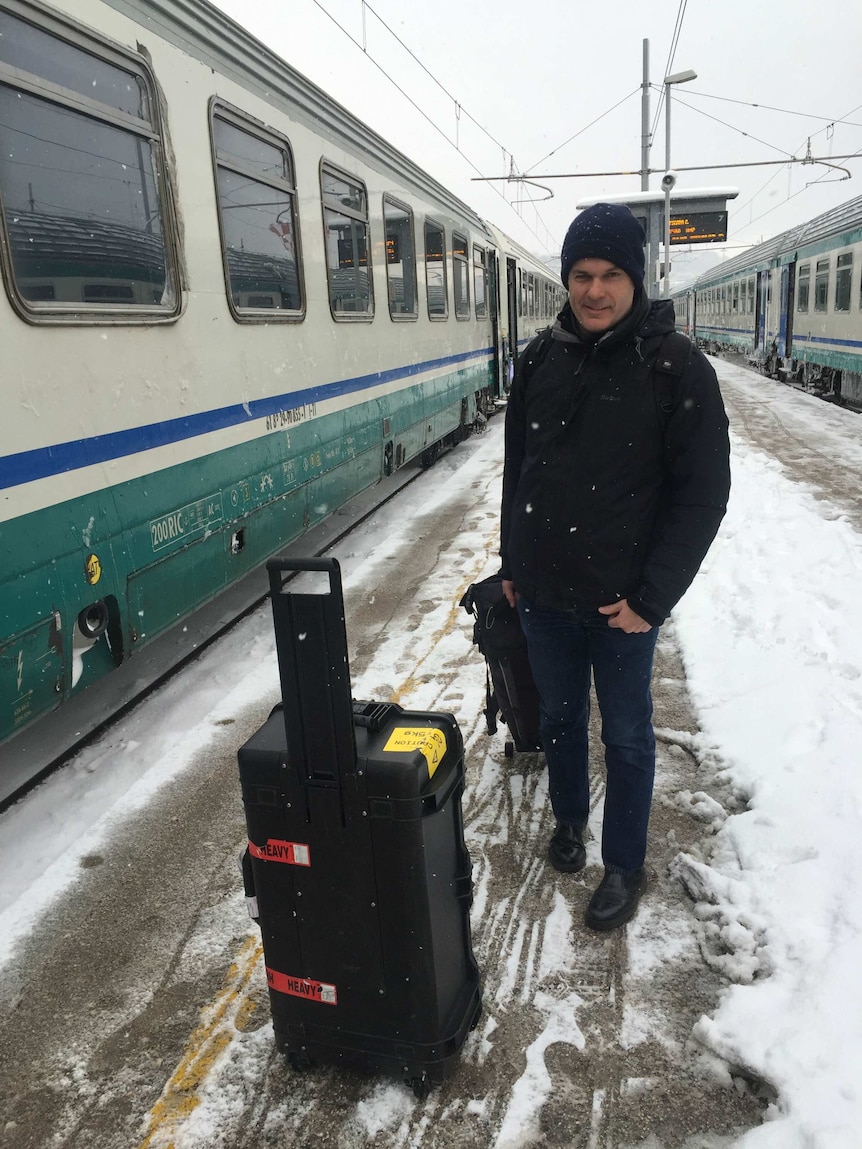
(543, 345)
(673, 357)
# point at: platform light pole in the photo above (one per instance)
(669, 179)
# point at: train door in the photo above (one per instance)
(511, 354)
(785, 318)
(498, 357)
(761, 304)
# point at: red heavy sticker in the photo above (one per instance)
(294, 853)
(301, 987)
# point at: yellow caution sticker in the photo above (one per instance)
(92, 569)
(430, 742)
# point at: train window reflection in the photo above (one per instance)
(842, 281)
(80, 182)
(435, 271)
(803, 287)
(101, 217)
(345, 221)
(821, 285)
(400, 259)
(34, 51)
(257, 218)
(247, 149)
(461, 277)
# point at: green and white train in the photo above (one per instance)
(792, 306)
(227, 308)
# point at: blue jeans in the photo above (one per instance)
(564, 648)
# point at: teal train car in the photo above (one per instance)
(792, 306)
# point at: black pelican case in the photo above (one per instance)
(356, 868)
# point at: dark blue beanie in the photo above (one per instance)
(605, 231)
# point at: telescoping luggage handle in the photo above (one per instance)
(311, 643)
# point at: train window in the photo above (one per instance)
(435, 271)
(460, 276)
(400, 259)
(345, 223)
(480, 282)
(751, 296)
(257, 218)
(821, 285)
(803, 287)
(842, 281)
(735, 301)
(82, 185)
(522, 293)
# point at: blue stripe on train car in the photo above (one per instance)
(41, 462)
(826, 339)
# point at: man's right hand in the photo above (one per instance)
(510, 592)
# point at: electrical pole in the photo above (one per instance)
(645, 140)
(650, 245)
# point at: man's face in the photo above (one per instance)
(600, 294)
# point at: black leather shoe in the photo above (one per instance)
(615, 901)
(566, 848)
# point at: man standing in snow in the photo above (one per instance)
(612, 496)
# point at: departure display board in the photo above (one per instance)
(698, 227)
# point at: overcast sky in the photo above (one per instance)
(535, 74)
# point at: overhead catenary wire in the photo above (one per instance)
(458, 106)
(733, 128)
(581, 131)
(791, 157)
(514, 175)
(671, 55)
(694, 93)
(430, 74)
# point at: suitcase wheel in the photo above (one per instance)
(509, 749)
(421, 1086)
(298, 1060)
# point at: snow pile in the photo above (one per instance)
(770, 634)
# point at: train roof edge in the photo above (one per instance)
(843, 218)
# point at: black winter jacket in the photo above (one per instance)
(604, 497)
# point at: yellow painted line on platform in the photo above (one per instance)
(227, 1014)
